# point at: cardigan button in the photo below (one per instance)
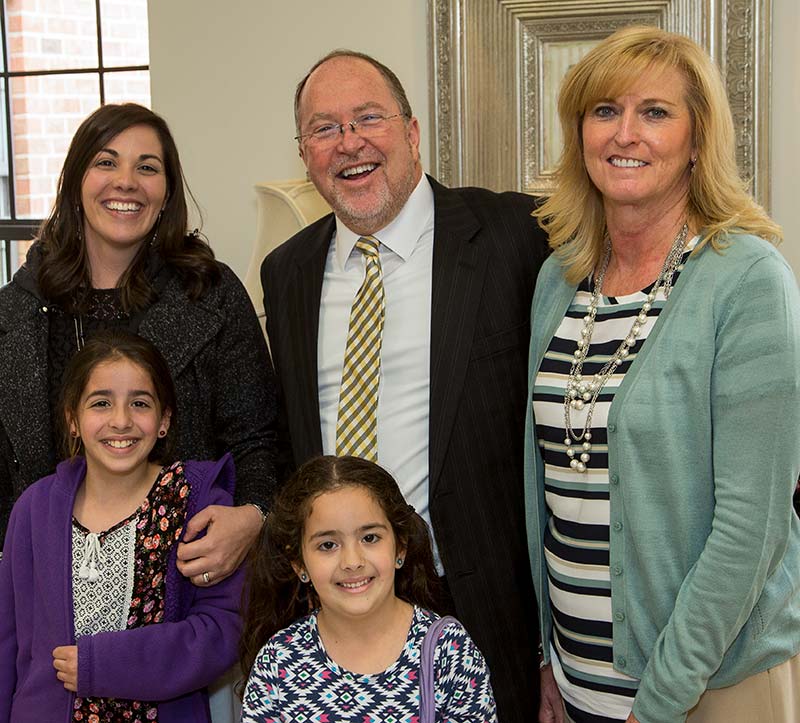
(619, 616)
(621, 662)
(612, 428)
(614, 479)
(617, 570)
(617, 526)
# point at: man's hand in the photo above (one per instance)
(230, 533)
(632, 719)
(65, 661)
(551, 708)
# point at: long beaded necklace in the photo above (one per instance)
(579, 392)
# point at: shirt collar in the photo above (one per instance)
(402, 234)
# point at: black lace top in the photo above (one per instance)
(69, 332)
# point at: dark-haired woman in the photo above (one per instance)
(114, 253)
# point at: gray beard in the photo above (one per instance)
(385, 210)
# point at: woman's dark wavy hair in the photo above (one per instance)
(108, 346)
(64, 276)
(275, 595)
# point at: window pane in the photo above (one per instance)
(46, 112)
(124, 28)
(12, 255)
(5, 202)
(7, 266)
(129, 86)
(51, 34)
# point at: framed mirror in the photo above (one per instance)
(496, 67)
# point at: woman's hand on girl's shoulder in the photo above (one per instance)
(65, 661)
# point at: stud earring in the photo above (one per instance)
(162, 432)
(304, 576)
(399, 562)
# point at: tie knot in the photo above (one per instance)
(368, 245)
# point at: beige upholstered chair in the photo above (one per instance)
(284, 207)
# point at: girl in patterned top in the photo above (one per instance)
(341, 587)
(96, 623)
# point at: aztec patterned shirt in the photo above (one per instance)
(293, 679)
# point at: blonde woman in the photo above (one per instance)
(663, 434)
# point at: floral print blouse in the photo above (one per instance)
(118, 579)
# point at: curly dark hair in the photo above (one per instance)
(275, 597)
(115, 345)
(64, 275)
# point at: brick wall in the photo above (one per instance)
(46, 110)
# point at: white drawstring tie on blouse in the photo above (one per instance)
(91, 557)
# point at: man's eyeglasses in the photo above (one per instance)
(368, 125)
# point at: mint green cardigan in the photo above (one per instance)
(704, 454)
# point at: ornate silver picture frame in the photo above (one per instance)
(496, 66)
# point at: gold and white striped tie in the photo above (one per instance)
(357, 421)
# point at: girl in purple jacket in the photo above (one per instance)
(96, 623)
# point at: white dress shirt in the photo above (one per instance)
(406, 254)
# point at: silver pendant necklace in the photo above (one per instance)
(579, 391)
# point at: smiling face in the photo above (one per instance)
(637, 147)
(350, 553)
(366, 181)
(118, 419)
(122, 192)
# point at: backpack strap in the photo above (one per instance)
(427, 700)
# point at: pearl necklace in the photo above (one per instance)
(580, 392)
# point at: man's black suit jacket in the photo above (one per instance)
(486, 254)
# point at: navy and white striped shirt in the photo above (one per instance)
(576, 539)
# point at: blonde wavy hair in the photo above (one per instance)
(718, 199)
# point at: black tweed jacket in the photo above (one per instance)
(218, 359)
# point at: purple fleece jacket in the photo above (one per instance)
(170, 662)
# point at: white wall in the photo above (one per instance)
(223, 74)
(785, 128)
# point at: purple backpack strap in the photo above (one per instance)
(427, 700)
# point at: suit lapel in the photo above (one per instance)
(459, 267)
(305, 292)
